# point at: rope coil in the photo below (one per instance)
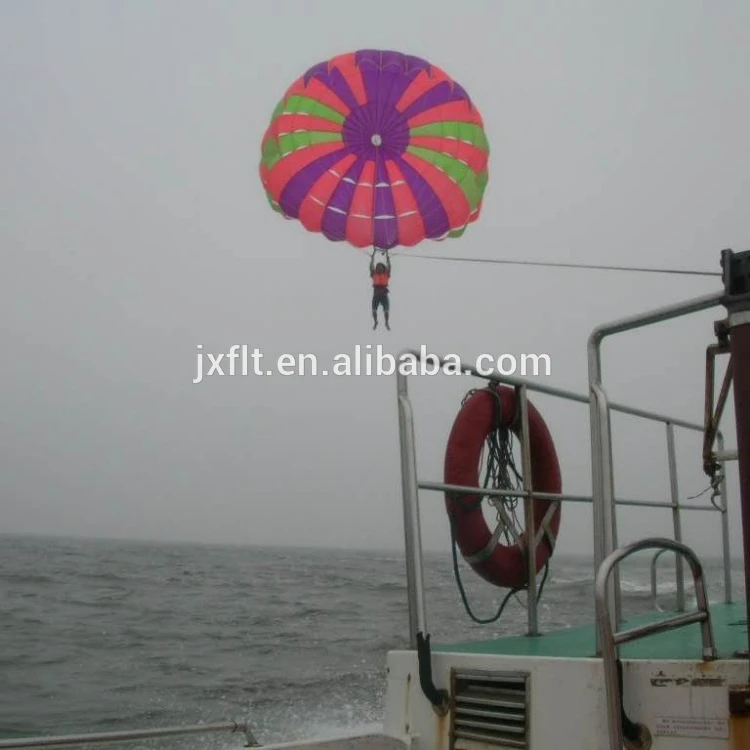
(500, 466)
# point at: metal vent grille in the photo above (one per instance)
(491, 709)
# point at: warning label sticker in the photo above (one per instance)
(681, 726)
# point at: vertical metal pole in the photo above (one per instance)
(725, 525)
(739, 338)
(736, 279)
(528, 507)
(596, 504)
(612, 525)
(603, 501)
(676, 521)
(410, 490)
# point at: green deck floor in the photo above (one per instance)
(728, 621)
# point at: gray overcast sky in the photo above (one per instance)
(134, 227)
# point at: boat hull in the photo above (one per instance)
(684, 704)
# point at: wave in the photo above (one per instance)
(393, 586)
(269, 690)
(571, 581)
(663, 587)
(27, 578)
(106, 577)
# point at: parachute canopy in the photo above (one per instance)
(376, 148)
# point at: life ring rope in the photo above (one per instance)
(500, 466)
(506, 598)
(484, 415)
(508, 525)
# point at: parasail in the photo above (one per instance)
(376, 148)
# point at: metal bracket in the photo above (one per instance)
(735, 268)
(713, 414)
(739, 700)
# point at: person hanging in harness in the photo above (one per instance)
(380, 274)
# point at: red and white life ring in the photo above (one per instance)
(499, 564)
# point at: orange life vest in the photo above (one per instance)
(380, 279)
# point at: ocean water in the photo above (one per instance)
(105, 635)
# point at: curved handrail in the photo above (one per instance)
(611, 640)
(128, 736)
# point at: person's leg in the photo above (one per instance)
(386, 311)
(374, 310)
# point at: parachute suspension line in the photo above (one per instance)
(373, 206)
(590, 266)
(376, 141)
(500, 465)
(379, 158)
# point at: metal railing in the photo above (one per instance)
(411, 484)
(132, 735)
(611, 640)
(605, 521)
